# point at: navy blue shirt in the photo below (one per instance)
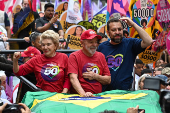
(120, 59)
(6, 20)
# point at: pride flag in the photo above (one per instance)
(38, 5)
(119, 100)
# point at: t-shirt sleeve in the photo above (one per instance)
(67, 83)
(137, 46)
(72, 64)
(26, 68)
(106, 70)
(59, 26)
(99, 48)
(6, 20)
(38, 23)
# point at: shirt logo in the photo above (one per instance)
(55, 26)
(50, 72)
(114, 62)
(92, 32)
(91, 67)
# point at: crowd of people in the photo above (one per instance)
(103, 63)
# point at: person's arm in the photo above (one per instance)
(3, 107)
(94, 76)
(4, 60)
(60, 30)
(76, 85)
(7, 46)
(7, 26)
(8, 31)
(16, 57)
(65, 90)
(45, 27)
(6, 67)
(146, 39)
(61, 34)
(67, 83)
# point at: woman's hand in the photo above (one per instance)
(16, 56)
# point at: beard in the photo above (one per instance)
(91, 51)
(117, 40)
(49, 16)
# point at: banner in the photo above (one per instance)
(99, 20)
(65, 25)
(163, 10)
(75, 32)
(117, 6)
(10, 7)
(118, 100)
(87, 25)
(61, 7)
(160, 43)
(144, 13)
(73, 15)
(168, 43)
(102, 29)
(149, 55)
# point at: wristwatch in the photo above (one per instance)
(50, 22)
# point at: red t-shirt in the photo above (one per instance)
(51, 73)
(78, 63)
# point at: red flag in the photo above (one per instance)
(8, 6)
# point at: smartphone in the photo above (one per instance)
(139, 110)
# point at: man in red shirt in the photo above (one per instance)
(87, 68)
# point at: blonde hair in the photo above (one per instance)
(141, 79)
(50, 34)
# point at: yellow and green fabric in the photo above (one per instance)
(119, 100)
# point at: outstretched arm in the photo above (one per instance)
(146, 39)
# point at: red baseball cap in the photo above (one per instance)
(30, 52)
(89, 34)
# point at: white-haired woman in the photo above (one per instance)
(141, 81)
(50, 68)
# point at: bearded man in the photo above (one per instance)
(49, 21)
(87, 68)
(120, 52)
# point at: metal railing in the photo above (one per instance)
(23, 79)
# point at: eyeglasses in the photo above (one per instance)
(50, 11)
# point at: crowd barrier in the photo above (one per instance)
(23, 79)
(22, 40)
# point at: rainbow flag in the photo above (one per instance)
(38, 5)
(119, 100)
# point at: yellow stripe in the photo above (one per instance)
(90, 103)
(27, 22)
